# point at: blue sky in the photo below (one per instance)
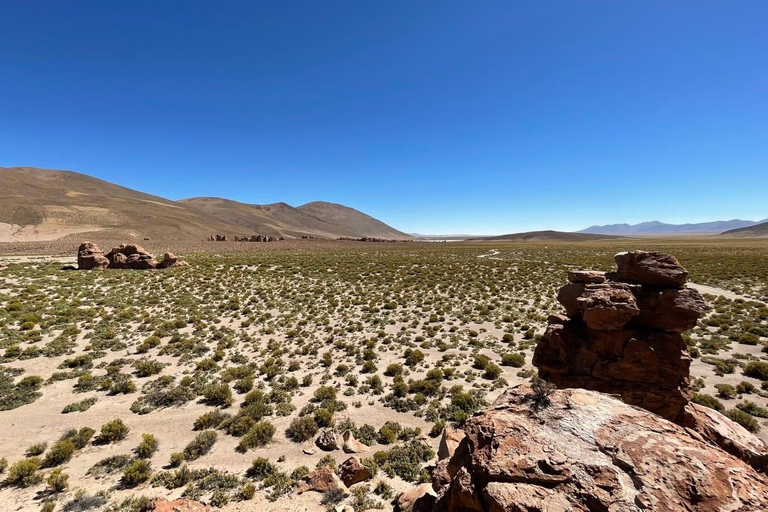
(435, 116)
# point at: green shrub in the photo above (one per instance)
(24, 473)
(743, 419)
(36, 449)
(708, 401)
(135, 473)
(513, 359)
(211, 419)
(59, 453)
(757, 370)
(147, 447)
(57, 481)
(260, 434)
(80, 406)
(261, 469)
(302, 429)
(218, 394)
(200, 445)
(726, 391)
(113, 431)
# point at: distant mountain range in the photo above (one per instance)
(41, 204)
(662, 228)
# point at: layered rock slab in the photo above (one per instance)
(580, 450)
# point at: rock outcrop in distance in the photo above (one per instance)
(581, 450)
(623, 333)
(131, 257)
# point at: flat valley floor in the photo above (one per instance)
(222, 374)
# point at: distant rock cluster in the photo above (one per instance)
(130, 256)
(622, 333)
(252, 238)
(367, 239)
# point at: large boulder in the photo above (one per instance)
(322, 481)
(90, 257)
(651, 268)
(328, 440)
(449, 441)
(580, 450)
(352, 471)
(419, 499)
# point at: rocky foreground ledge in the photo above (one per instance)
(581, 450)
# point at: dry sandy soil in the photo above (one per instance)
(276, 314)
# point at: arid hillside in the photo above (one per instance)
(328, 220)
(42, 205)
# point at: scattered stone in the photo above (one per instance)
(308, 451)
(580, 450)
(352, 445)
(322, 480)
(418, 499)
(351, 471)
(179, 505)
(327, 440)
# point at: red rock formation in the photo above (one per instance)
(90, 257)
(580, 450)
(130, 256)
(622, 334)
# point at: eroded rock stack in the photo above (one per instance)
(257, 238)
(90, 257)
(622, 333)
(125, 256)
(580, 450)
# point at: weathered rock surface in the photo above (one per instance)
(449, 441)
(90, 257)
(352, 445)
(327, 440)
(352, 471)
(718, 430)
(580, 450)
(179, 505)
(651, 268)
(586, 276)
(418, 499)
(322, 480)
(625, 337)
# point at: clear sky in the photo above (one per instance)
(434, 116)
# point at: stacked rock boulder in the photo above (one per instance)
(623, 333)
(124, 256)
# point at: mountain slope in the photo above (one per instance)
(41, 204)
(314, 219)
(658, 228)
(758, 230)
(548, 236)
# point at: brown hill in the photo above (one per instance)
(548, 236)
(322, 219)
(757, 231)
(41, 204)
